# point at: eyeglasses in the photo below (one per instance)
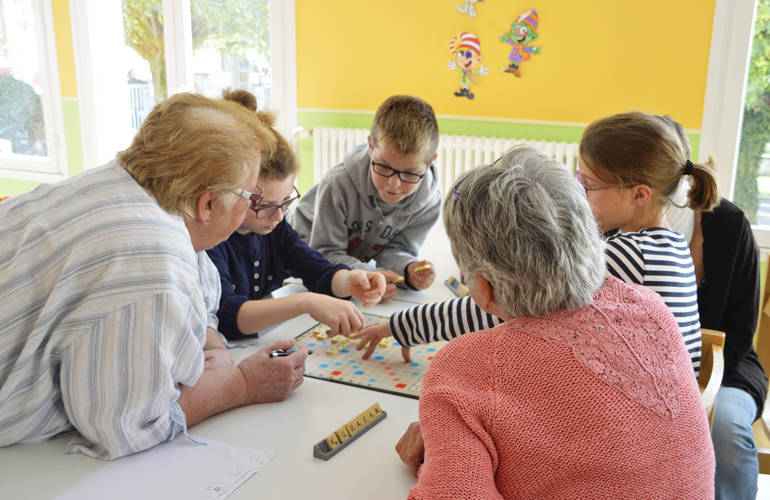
(254, 198)
(386, 171)
(600, 187)
(267, 211)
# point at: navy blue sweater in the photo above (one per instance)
(251, 266)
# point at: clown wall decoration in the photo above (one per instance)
(521, 34)
(466, 50)
(468, 7)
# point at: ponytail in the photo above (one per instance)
(704, 194)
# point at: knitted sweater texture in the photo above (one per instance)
(594, 403)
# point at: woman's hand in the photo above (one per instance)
(411, 448)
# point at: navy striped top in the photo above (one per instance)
(659, 259)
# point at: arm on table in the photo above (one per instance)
(256, 379)
(215, 353)
(427, 323)
(341, 316)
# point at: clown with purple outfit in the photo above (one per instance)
(522, 33)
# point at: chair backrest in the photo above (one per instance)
(761, 431)
(712, 368)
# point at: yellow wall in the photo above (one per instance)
(64, 50)
(598, 57)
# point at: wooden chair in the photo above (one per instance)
(712, 368)
(761, 431)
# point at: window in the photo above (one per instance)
(736, 108)
(752, 177)
(31, 130)
(148, 49)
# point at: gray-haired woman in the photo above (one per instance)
(589, 391)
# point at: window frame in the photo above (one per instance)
(731, 39)
(179, 67)
(53, 167)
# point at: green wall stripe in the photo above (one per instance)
(72, 135)
(356, 119)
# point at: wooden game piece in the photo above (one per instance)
(342, 434)
(383, 343)
(336, 441)
(456, 286)
(423, 267)
(332, 441)
(321, 335)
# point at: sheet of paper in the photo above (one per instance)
(177, 469)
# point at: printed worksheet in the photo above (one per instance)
(182, 468)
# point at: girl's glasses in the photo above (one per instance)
(601, 186)
(254, 198)
(267, 211)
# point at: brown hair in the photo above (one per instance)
(190, 144)
(642, 148)
(408, 124)
(282, 162)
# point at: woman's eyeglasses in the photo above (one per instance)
(267, 211)
(457, 184)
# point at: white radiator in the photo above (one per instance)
(456, 153)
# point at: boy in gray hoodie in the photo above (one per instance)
(380, 202)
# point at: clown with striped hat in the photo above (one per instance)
(466, 49)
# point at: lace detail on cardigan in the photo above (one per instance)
(620, 337)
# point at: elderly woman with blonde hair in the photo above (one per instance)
(586, 390)
(106, 294)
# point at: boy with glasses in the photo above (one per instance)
(380, 202)
(265, 250)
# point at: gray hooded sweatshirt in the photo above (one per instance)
(344, 218)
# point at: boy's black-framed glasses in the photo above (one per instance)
(404, 176)
(267, 211)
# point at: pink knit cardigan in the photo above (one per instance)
(595, 403)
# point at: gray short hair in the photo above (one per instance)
(524, 224)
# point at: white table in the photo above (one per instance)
(368, 468)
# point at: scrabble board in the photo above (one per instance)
(337, 360)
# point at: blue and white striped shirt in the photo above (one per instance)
(659, 259)
(102, 315)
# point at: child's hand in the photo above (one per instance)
(421, 274)
(371, 335)
(367, 286)
(341, 316)
(391, 279)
